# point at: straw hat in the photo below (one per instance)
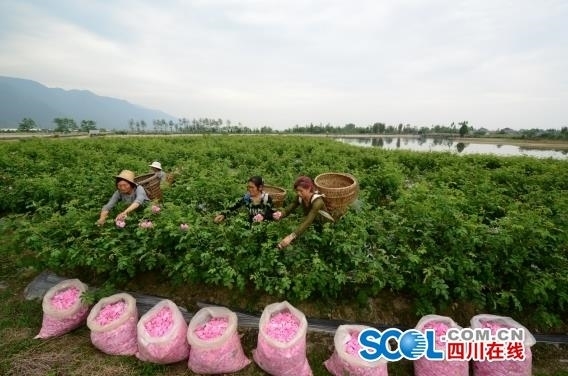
(126, 175)
(157, 165)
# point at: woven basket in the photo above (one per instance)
(151, 183)
(340, 191)
(278, 194)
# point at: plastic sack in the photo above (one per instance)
(345, 359)
(63, 310)
(215, 343)
(113, 325)
(425, 367)
(161, 334)
(281, 347)
(511, 367)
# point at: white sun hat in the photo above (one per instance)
(156, 164)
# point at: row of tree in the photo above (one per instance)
(207, 125)
(463, 128)
(61, 125)
(202, 125)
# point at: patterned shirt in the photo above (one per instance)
(264, 207)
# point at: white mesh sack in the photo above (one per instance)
(63, 309)
(281, 347)
(510, 367)
(346, 360)
(113, 325)
(161, 334)
(215, 343)
(425, 367)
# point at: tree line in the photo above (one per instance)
(61, 125)
(210, 125)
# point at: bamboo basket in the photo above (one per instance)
(278, 194)
(340, 191)
(151, 183)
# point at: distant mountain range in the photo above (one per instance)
(20, 98)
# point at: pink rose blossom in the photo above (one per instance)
(146, 224)
(258, 218)
(120, 224)
(184, 227)
(156, 209)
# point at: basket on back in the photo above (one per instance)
(340, 191)
(151, 183)
(278, 194)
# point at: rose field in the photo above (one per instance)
(450, 234)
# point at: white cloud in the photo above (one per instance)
(283, 63)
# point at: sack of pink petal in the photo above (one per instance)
(113, 323)
(215, 343)
(63, 309)
(345, 359)
(162, 334)
(511, 367)
(281, 347)
(425, 367)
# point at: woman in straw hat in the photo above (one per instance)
(157, 170)
(127, 191)
(312, 204)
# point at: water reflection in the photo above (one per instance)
(447, 145)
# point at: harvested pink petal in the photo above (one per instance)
(65, 299)
(156, 209)
(110, 312)
(212, 329)
(352, 346)
(161, 323)
(282, 326)
(493, 326)
(184, 227)
(440, 328)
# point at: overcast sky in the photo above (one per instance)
(493, 63)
